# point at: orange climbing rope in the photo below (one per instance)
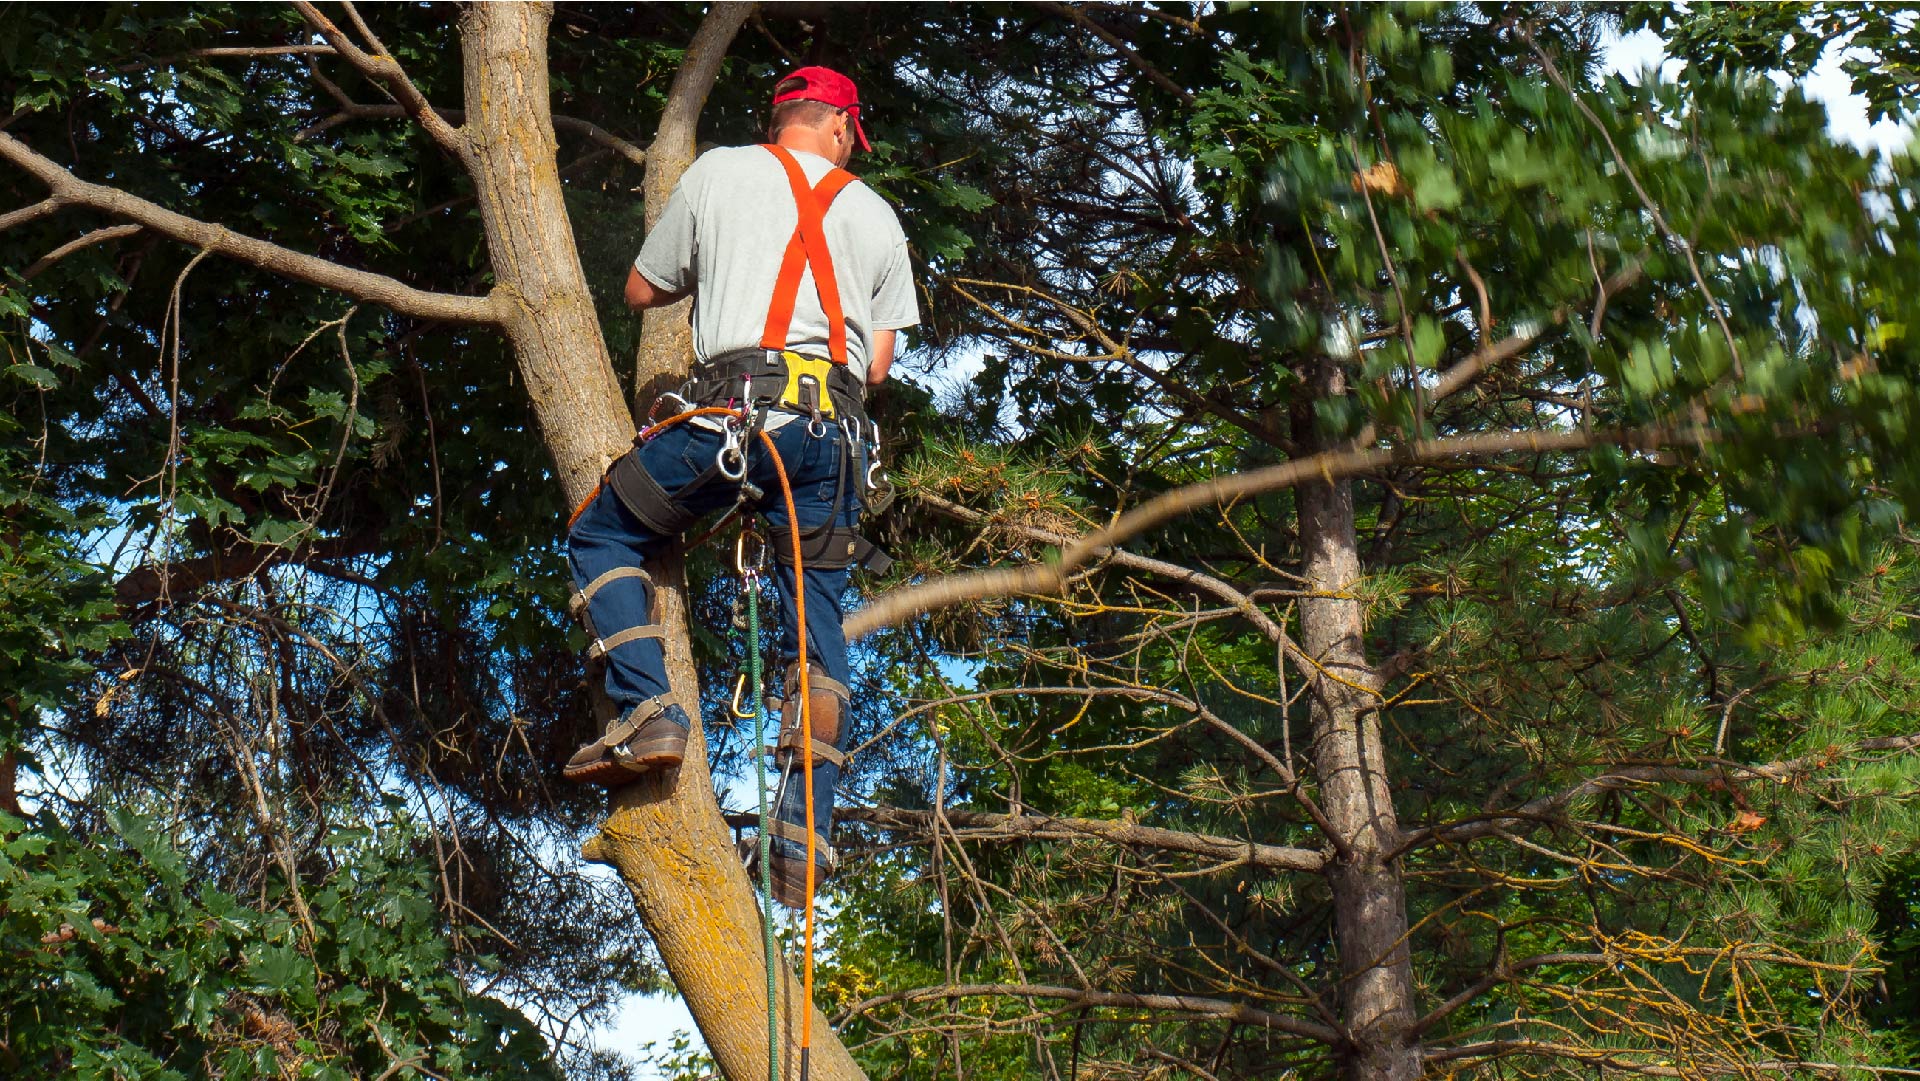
(806, 742)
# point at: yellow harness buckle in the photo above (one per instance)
(806, 388)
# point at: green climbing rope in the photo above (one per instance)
(752, 585)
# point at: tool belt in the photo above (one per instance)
(814, 387)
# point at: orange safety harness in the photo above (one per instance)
(808, 248)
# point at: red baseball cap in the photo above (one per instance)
(829, 87)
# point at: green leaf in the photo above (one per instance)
(35, 375)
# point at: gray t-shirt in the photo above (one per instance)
(724, 231)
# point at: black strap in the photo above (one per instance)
(645, 499)
(835, 548)
(720, 378)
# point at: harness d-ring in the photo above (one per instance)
(817, 427)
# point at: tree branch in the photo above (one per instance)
(1187, 1004)
(1117, 351)
(25, 214)
(223, 51)
(153, 581)
(387, 70)
(1611, 1059)
(1119, 557)
(666, 333)
(1487, 356)
(97, 236)
(1040, 827)
(355, 111)
(358, 284)
(1155, 75)
(907, 602)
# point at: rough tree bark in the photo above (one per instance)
(1370, 906)
(665, 835)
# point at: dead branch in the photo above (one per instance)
(981, 826)
(1183, 1004)
(907, 602)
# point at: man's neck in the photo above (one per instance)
(813, 142)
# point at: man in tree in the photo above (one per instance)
(800, 282)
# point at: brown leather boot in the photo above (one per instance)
(651, 738)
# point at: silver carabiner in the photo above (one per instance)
(875, 475)
(731, 459)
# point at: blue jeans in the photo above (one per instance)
(607, 535)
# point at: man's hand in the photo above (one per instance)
(882, 358)
(642, 293)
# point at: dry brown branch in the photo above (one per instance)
(358, 284)
(67, 932)
(981, 826)
(1616, 1059)
(1179, 1004)
(907, 602)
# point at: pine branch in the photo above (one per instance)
(1545, 809)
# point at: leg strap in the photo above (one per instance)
(584, 597)
(798, 834)
(829, 711)
(603, 646)
(637, 717)
(579, 606)
(645, 499)
(834, 548)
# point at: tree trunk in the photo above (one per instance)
(665, 834)
(9, 780)
(1370, 908)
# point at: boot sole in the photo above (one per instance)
(654, 756)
